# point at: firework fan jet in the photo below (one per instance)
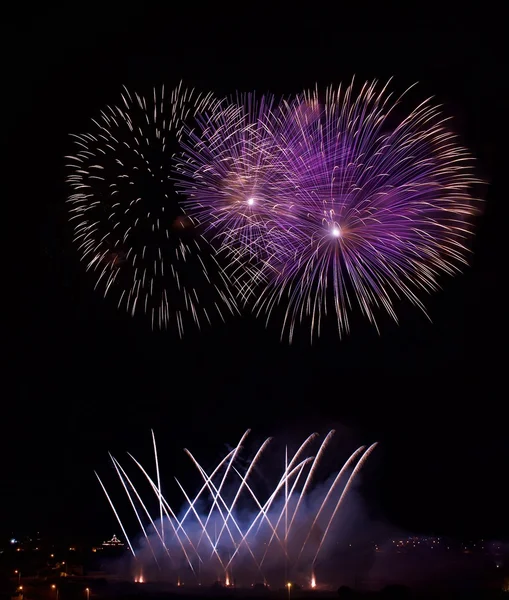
(233, 529)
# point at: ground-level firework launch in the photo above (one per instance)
(238, 528)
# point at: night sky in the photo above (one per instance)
(82, 379)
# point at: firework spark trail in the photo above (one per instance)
(147, 512)
(169, 514)
(131, 501)
(287, 497)
(215, 494)
(345, 467)
(204, 487)
(225, 475)
(284, 511)
(309, 477)
(284, 479)
(265, 509)
(302, 447)
(129, 226)
(244, 481)
(262, 511)
(290, 490)
(205, 532)
(158, 485)
(357, 468)
(116, 515)
(282, 483)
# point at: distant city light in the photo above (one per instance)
(113, 542)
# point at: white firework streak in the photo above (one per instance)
(128, 224)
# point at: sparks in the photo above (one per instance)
(185, 207)
(401, 186)
(282, 526)
(129, 227)
(226, 163)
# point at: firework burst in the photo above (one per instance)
(227, 176)
(230, 528)
(372, 208)
(129, 228)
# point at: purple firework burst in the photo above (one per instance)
(372, 208)
(230, 179)
(329, 202)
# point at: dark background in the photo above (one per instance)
(81, 379)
